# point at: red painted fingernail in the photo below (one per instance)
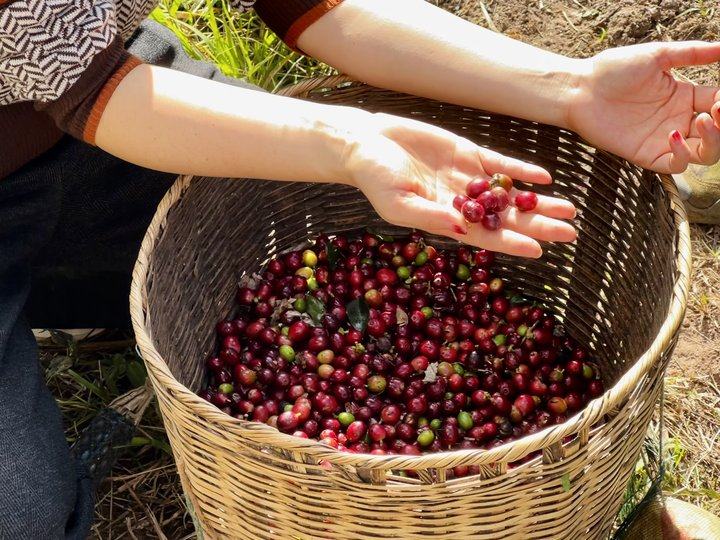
(677, 137)
(460, 230)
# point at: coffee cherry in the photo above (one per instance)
(557, 405)
(487, 201)
(502, 199)
(425, 437)
(477, 186)
(596, 388)
(501, 180)
(287, 422)
(376, 384)
(443, 362)
(458, 202)
(465, 420)
(391, 414)
(484, 258)
(449, 434)
(377, 432)
(491, 222)
(473, 211)
(525, 201)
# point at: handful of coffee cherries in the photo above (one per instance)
(484, 199)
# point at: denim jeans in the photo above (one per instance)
(71, 223)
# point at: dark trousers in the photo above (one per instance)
(71, 223)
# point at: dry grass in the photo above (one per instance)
(702, 321)
(692, 391)
(143, 498)
(692, 440)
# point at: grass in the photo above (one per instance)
(692, 424)
(241, 45)
(143, 499)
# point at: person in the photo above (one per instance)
(102, 111)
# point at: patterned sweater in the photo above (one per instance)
(61, 60)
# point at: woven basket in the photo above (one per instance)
(621, 289)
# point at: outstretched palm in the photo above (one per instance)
(630, 104)
(411, 171)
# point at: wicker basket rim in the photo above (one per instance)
(264, 434)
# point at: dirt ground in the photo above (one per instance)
(580, 29)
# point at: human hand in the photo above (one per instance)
(630, 104)
(411, 171)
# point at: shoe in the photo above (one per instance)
(699, 188)
(662, 517)
(109, 434)
(101, 443)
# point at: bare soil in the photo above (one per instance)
(582, 28)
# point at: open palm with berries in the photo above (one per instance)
(411, 172)
(630, 103)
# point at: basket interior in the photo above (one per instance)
(613, 287)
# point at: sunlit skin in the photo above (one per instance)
(622, 100)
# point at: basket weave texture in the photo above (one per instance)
(621, 290)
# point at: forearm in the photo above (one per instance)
(415, 47)
(170, 121)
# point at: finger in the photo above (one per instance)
(553, 207)
(539, 227)
(476, 161)
(503, 241)
(688, 53)
(493, 162)
(412, 210)
(704, 98)
(677, 159)
(708, 148)
(715, 112)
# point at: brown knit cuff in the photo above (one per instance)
(78, 110)
(294, 17)
(130, 63)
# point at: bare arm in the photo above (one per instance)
(415, 47)
(624, 100)
(408, 170)
(171, 121)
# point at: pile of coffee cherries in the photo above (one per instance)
(391, 346)
(485, 198)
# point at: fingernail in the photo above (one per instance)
(459, 230)
(676, 136)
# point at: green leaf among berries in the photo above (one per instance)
(383, 237)
(519, 300)
(333, 254)
(358, 313)
(315, 308)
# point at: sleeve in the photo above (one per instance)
(290, 18)
(65, 56)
